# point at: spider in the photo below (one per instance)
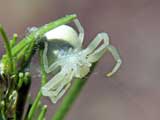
(64, 56)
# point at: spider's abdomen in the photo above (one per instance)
(65, 33)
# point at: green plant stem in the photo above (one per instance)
(34, 106)
(28, 55)
(43, 81)
(23, 93)
(42, 113)
(44, 74)
(21, 55)
(71, 96)
(8, 48)
(13, 41)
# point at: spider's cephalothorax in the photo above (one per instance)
(63, 50)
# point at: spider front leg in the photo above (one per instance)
(45, 60)
(53, 66)
(95, 51)
(80, 29)
(66, 77)
(58, 85)
(117, 58)
(56, 98)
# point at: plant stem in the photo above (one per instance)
(29, 53)
(44, 74)
(25, 78)
(8, 48)
(42, 113)
(13, 41)
(71, 96)
(34, 106)
(43, 81)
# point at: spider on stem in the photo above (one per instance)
(63, 52)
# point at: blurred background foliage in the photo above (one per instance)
(131, 94)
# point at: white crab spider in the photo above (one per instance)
(63, 53)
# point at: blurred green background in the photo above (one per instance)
(134, 28)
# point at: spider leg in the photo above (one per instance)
(57, 86)
(81, 31)
(117, 58)
(54, 99)
(67, 79)
(53, 66)
(95, 52)
(52, 84)
(65, 84)
(45, 60)
(95, 47)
